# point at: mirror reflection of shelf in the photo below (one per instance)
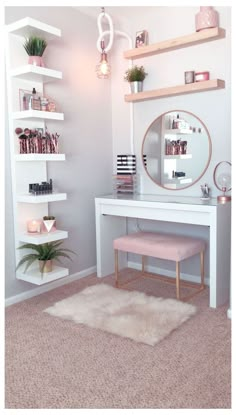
(179, 180)
(179, 131)
(179, 156)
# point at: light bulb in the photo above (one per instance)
(103, 69)
(224, 180)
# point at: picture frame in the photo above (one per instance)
(141, 38)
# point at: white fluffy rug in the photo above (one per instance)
(131, 314)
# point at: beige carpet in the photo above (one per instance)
(55, 363)
(132, 314)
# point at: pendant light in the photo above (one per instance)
(103, 69)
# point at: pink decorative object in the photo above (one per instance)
(202, 76)
(206, 18)
(34, 226)
(36, 60)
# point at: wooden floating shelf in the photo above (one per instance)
(53, 197)
(36, 73)
(35, 277)
(27, 27)
(42, 238)
(195, 38)
(40, 157)
(35, 115)
(176, 90)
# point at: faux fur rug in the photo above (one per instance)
(131, 314)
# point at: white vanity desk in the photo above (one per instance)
(112, 211)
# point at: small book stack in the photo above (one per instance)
(125, 180)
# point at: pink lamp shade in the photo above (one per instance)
(34, 226)
(206, 18)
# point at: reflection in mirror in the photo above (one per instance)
(176, 150)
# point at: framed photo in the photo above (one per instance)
(141, 38)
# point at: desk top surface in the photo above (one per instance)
(161, 199)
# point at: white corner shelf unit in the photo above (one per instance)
(21, 75)
(196, 38)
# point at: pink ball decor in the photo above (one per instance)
(206, 18)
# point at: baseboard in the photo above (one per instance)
(229, 313)
(47, 287)
(167, 273)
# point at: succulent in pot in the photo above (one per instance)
(35, 47)
(44, 254)
(135, 76)
(49, 223)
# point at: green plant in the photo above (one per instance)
(35, 46)
(44, 253)
(136, 73)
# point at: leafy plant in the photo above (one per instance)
(136, 73)
(44, 253)
(35, 46)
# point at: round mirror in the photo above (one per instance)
(176, 150)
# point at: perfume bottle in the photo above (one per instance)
(34, 102)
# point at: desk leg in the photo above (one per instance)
(220, 249)
(108, 228)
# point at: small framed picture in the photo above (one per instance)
(141, 38)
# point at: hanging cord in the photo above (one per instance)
(102, 33)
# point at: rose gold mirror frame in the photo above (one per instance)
(209, 157)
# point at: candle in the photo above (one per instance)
(34, 226)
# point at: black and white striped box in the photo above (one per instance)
(126, 164)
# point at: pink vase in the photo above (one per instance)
(206, 18)
(36, 60)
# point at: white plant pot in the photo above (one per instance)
(49, 224)
(136, 86)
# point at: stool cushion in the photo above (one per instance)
(163, 246)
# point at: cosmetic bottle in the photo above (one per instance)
(34, 103)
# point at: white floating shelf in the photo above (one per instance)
(179, 180)
(27, 27)
(36, 73)
(40, 157)
(54, 197)
(179, 131)
(34, 115)
(179, 156)
(42, 238)
(35, 277)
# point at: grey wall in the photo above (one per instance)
(86, 136)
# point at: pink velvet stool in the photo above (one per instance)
(163, 246)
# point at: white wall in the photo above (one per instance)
(85, 136)
(167, 69)
(213, 108)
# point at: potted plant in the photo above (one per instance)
(135, 76)
(35, 47)
(49, 223)
(44, 254)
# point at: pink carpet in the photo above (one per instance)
(54, 363)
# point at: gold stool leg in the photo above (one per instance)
(143, 263)
(202, 268)
(177, 281)
(116, 266)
